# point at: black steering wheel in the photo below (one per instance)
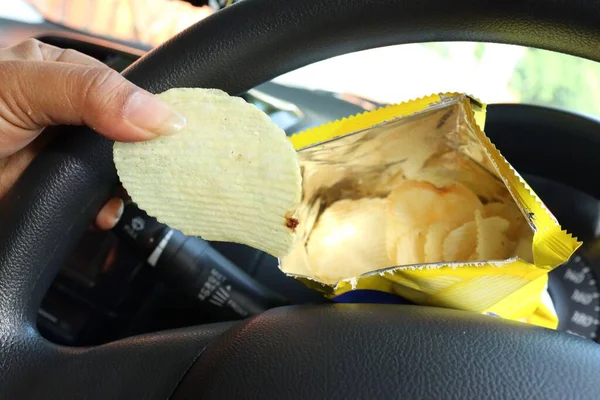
(294, 352)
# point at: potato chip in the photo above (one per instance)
(434, 241)
(492, 243)
(458, 168)
(439, 177)
(461, 243)
(297, 260)
(230, 175)
(308, 214)
(416, 205)
(348, 240)
(510, 212)
(410, 248)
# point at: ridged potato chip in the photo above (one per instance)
(348, 240)
(461, 243)
(434, 241)
(415, 205)
(230, 175)
(510, 212)
(492, 243)
(461, 169)
(410, 247)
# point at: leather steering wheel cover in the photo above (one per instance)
(391, 352)
(49, 208)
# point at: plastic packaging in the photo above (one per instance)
(413, 199)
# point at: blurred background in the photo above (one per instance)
(494, 73)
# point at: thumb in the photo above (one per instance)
(41, 93)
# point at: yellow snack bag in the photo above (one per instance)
(413, 199)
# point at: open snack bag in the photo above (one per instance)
(414, 200)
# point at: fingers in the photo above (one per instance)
(109, 215)
(51, 53)
(42, 93)
(34, 50)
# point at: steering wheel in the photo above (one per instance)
(325, 351)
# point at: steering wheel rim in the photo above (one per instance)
(56, 198)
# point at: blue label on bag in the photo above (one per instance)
(369, 297)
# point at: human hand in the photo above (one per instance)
(43, 85)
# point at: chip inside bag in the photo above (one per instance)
(413, 199)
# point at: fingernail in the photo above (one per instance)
(150, 113)
(110, 214)
(119, 212)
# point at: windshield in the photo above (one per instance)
(492, 72)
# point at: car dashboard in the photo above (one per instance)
(105, 291)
